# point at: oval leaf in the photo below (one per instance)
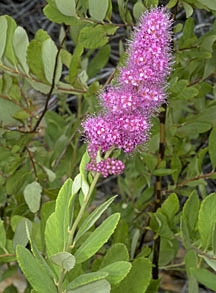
(64, 259)
(32, 195)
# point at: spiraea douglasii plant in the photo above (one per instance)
(107, 164)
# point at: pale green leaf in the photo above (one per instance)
(188, 9)
(20, 45)
(51, 175)
(96, 240)
(3, 35)
(134, 242)
(2, 235)
(211, 4)
(117, 271)
(66, 7)
(212, 147)
(191, 211)
(98, 8)
(93, 217)
(76, 184)
(138, 278)
(56, 232)
(117, 252)
(205, 277)
(86, 278)
(9, 52)
(32, 195)
(49, 53)
(207, 220)
(20, 235)
(138, 10)
(100, 286)
(64, 259)
(34, 273)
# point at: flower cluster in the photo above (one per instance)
(124, 121)
(106, 167)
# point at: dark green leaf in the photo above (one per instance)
(212, 147)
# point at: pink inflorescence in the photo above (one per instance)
(124, 121)
(106, 167)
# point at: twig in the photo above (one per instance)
(53, 82)
(191, 180)
(14, 101)
(109, 79)
(40, 81)
(32, 162)
(101, 22)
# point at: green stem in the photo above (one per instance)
(71, 232)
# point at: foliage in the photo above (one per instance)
(49, 225)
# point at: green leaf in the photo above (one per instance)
(212, 147)
(191, 211)
(207, 220)
(188, 9)
(77, 184)
(117, 271)
(163, 172)
(39, 258)
(176, 164)
(21, 115)
(51, 175)
(93, 37)
(98, 8)
(2, 235)
(209, 261)
(93, 217)
(98, 61)
(75, 62)
(171, 3)
(96, 240)
(9, 52)
(56, 232)
(49, 53)
(20, 236)
(138, 278)
(53, 14)
(94, 287)
(86, 278)
(134, 242)
(83, 172)
(3, 35)
(214, 240)
(117, 252)
(35, 64)
(32, 195)
(205, 277)
(191, 261)
(170, 206)
(209, 3)
(20, 45)
(64, 259)
(66, 7)
(34, 273)
(138, 10)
